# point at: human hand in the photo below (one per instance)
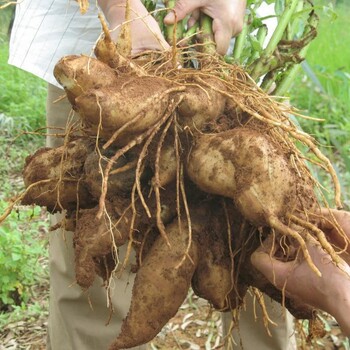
(227, 15)
(331, 292)
(343, 219)
(145, 31)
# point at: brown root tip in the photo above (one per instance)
(123, 342)
(105, 28)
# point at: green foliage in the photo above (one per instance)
(22, 245)
(5, 19)
(19, 255)
(324, 92)
(22, 95)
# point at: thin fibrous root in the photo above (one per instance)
(320, 236)
(131, 229)
(140, 115)
(336, 225)
(169, 114)
(266, 318)
(187, 211)
(229, 240)
(275, 223)
(124, 168)
(18, 199)
(156, 182)
(323, 158)
(136, 141)
(286, 125)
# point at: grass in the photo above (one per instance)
(22, 235)
(323, 91)
(22, 95)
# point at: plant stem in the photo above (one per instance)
(173, 32)
(260, 37)
(289, 76)
(275, 39)
(239, 42)
(207, 38)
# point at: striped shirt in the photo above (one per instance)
(46, 30)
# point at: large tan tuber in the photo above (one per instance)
(53, 177)
(133, 105)
(160, 286)
(77, 74)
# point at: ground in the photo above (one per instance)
(194, 327)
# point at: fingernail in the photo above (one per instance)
(170, 18)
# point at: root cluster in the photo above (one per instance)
(190, 168)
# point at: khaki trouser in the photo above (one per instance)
(251, 333)
(77, 319)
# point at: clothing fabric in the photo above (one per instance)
(252, 334)
(46, 30)
(77, 319)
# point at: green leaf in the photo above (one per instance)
(279, 7)
(255, 44)
(15, 256)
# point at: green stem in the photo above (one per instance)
(260, 37)
(239, 42)
(192, 31)
(207, 38)
(289, 76)
(173, 31)
(275, 39)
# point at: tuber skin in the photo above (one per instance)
(161, 285)
(214, 278)
(247, 166)
(201, 105)
(77, 74)
(120, 183)
(95, 238)
(135, 103)
(52, 177)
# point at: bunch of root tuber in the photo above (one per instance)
(192, 168)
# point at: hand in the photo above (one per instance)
(145, 31)
(331, 292)
(343, 219)
(227, 15)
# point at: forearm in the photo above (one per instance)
(114, 10)
(338, 305)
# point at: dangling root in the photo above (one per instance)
(266, 318)
(187, 211)
(136, 141)
(320, 237)
(275, 223)
(156, 181)
(279, 122)
(19, 198)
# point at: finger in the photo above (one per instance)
(333, 232)
(181, 9)
(277, 272)
(193, 19)
(222, 36)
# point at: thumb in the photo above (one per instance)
(181, 9)
(275, 271)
